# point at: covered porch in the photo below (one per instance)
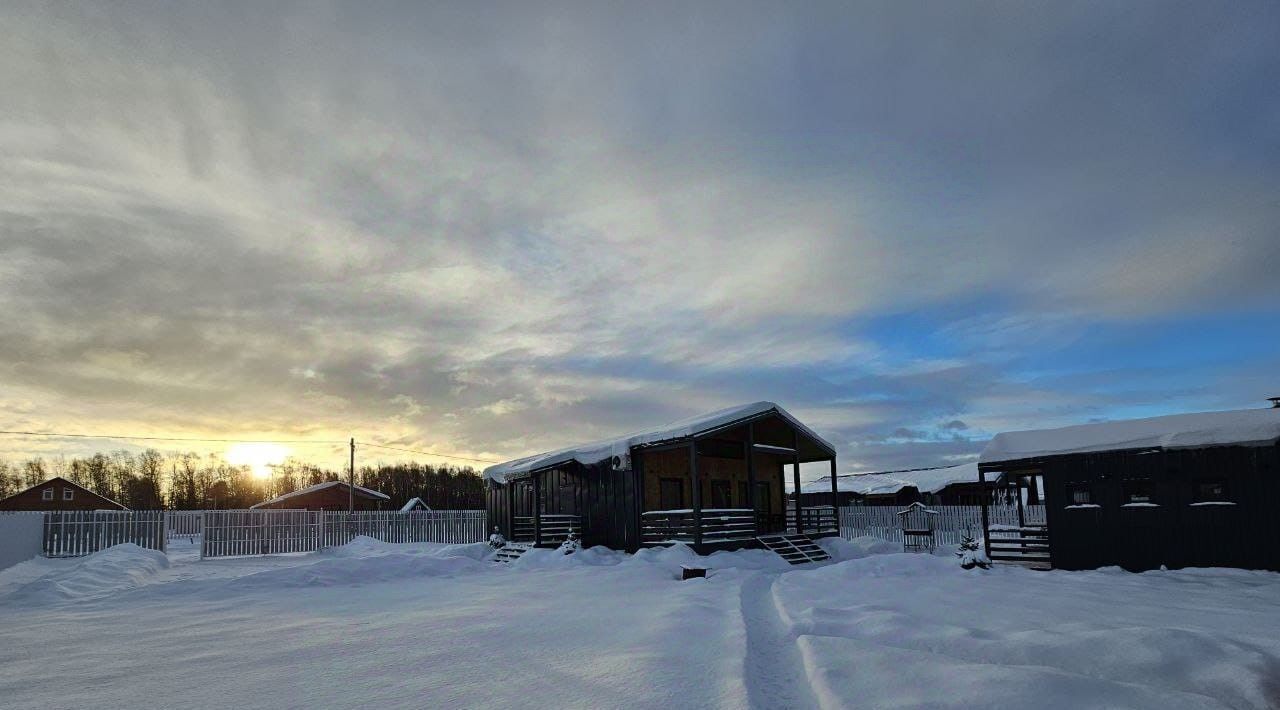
(722, 489)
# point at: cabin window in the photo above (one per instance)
(671, 493)
(46, 494)
(720, 494)
(1210, 490)
(1137, 490)
(1079, 494)
(68, 493)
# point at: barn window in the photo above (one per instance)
(68, 493)
(1079, 494)
(1137, 490)
(46, 494)
(1210, 490)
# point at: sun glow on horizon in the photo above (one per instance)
(258, 457)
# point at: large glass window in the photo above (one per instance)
(671, 493)
(720, 495)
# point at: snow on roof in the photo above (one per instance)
(1246, 427)
(929, 480)
(600, 450)
(414, 503)
(319, 487)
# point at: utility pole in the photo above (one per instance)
(351, 487)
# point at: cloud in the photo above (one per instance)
(494, 232)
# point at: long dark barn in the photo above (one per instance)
(716, 481)
(1188, 490)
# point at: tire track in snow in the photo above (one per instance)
(773, 668)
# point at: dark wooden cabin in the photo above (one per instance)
(1190, 490)
(58, 493)
(714, 482)
(330, 495)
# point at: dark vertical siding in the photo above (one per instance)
(496, 508)
(1175, 534)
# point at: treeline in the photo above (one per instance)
(187, 481)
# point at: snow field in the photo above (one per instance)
(426, 625)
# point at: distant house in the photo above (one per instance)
(950, 485)
(58, 493)
(1188, 490)
(330, 495)
(414, 504)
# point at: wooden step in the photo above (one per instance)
(511, 552)
(795, 549)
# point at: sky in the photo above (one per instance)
(489, 230)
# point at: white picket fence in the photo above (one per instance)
(74, 533)
(950, 525)
(231, 533)
(183, 524)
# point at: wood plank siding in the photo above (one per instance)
(1170, 529)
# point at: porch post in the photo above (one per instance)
(795, 475)
(835, 497)
(510, 522)
(1017, 490)
(537, 510)
(697, 494)
(750, 449)
(986, 527)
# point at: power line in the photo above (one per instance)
(171, 438)
(426, 453)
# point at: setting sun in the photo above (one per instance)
(258, 457)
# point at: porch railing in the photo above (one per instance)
(555, 528)
(816, 519)
(718, 525)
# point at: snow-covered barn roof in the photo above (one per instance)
(359, 490)
(414, 504)
(595, 452)
(929, 480)
(1246, 427)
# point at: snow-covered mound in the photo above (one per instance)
(114, 569)
(363, 546)
(340, 571)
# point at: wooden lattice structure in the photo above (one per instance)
(918, 523)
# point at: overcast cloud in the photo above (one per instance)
(490, 230)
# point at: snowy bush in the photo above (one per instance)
(971, 554)
(570, 545)
(496, 540)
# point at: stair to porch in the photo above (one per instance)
(796, 549)
(511, 552)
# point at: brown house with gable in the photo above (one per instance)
(58, 493)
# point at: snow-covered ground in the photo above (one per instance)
(426, 625)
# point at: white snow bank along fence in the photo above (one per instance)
(950, 525)
(233, 533)
(73, 533)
